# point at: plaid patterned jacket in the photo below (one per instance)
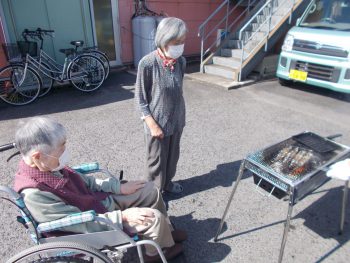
(70, 187)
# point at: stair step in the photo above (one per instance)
(229, 62)
(256, 35)
(221, 71)
(282, 11)
(237, 44)
(235, 54)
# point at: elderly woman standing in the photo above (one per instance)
(159, 97)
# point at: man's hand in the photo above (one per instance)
(131, 187)
(137, 215)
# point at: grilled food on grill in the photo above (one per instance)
(294, 161)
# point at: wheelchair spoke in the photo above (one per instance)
(60, 252)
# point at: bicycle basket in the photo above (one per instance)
(12, 52)
(28, 47)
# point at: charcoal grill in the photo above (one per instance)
(292, 168)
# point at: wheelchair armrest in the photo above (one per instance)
(106, 222)
(109, 223)
(85, 168)
(70, 220)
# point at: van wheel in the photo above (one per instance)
(284, 82)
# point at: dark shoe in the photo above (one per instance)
(175, 188)
(169, 253)
(179, 235)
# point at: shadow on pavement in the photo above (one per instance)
(323, 218)
(197, 247)
(224, 175)
(247, 231)
(321, 91)
(116, 88)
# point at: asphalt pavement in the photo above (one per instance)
(222, 128)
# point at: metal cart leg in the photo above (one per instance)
(286, 227)
(240, 174)
(344, 203)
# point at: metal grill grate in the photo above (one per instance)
(315, 142)
(291, 159)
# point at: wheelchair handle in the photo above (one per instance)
(8, 146)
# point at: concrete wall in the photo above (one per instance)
(193, 12)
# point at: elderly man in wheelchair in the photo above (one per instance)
(51, 191)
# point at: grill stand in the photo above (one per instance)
(290, 209)
(344, 203)
(240, 174)
(286, 225)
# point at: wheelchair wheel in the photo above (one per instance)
(86, 72)
(60, 252)
(14, 92)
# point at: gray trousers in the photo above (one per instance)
(159, 229)
(162, 156)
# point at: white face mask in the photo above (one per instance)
(175, 51)
(62, 160)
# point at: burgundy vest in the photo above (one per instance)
(70, 188)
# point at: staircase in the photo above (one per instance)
(245, 41)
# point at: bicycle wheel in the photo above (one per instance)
(60, 252)
(15, 91)
(47, 82)
(103, 58)
(86, 72)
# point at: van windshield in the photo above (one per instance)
(328, 14)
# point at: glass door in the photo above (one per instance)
(105, 22)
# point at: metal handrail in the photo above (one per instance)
(211, 16)
(228, 27)
(252, 18)
(244, 41)
(201, 28)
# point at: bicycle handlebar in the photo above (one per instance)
(44, 30)
(37, 33)
(8, 146)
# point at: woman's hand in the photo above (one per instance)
(137, 215)
(131, 187)
(156, 131)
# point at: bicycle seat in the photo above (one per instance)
(67, 51)
(77, 43)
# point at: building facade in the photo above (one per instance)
(106, 23)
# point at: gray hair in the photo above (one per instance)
(169, 29)
(39, 134)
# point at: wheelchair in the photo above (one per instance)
(51, 246)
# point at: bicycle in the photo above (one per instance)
(47, 82)
(17, 85)
(84, 71)
(39, 34)
(95, 51)
(69, 52)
